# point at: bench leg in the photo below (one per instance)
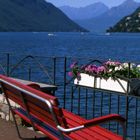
(16, 125)
(14, 118)
(17, 128)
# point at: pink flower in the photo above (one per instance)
(112, 63)
(91, 69)
(101, 69)
(117, 63)
(73, 65)
(70, 74)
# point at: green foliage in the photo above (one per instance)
(130, 23)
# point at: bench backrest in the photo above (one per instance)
(30, 100)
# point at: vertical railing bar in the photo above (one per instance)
(126, 111)
(79, 91)
(135, 123)
(86, 106)
(93, 99)
(118, 110)
(72, 99)
(29, 76)
(8, 64)
(65, 71)
(101, 110)
(127, 98)
(54, 73)
(110, 95)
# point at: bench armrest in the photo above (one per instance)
(68, 130)
(103, 119)
(97, 121)
(107, 118)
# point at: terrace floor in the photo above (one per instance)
(8, 132)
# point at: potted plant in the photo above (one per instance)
(110, 75)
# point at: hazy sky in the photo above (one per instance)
(81, 3)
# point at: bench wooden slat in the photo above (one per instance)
(37, 103)
(52, 99)
(86, 132)
(41, 112)
(74, 120)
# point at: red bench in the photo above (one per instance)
(42, 111)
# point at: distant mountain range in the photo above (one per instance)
(34, 15)
(87, 12)
(130, 23)
(101, 22)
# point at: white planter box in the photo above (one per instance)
(109, 84)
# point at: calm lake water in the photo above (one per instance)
(125, 47)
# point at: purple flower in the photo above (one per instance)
(70, 74)
(73, 65)
(112, 63)
(91, 69)
(83, 67)
(108, 63)
(117, 63)
(101, 69)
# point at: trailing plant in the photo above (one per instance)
(108, 69)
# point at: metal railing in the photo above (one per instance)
(86, 102)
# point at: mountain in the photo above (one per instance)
(130, 23)
(34, 15)
(87, 12)
(110, 17)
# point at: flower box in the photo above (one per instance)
(110, 84)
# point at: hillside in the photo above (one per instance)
(130, 23)
(110, 17)
(34, 15)
(86, 12)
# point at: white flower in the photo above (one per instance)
(118, 68)
(138, 66)
(126, 65)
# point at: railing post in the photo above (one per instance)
(136, 119)
(8, 64)
(127, 98)
(65, 72)
(110, 101)
(126, 113)
(72, 90)
(118, 111)
(86, 106)
(101, 111)
(54, 72)
(79, 91)
(30, 71)
(54, 69)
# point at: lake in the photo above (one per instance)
(124, 47)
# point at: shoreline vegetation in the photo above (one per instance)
(130, 23)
